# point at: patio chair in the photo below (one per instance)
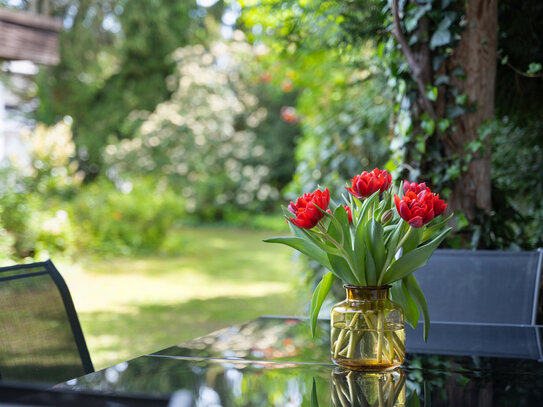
(482, 286)
(40, 336)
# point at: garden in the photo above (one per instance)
(160, 150)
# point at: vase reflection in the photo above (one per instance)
(355, 388)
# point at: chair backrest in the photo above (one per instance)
(482, 286)
(40, 335)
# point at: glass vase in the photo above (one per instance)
(356, 388)
(367, 330)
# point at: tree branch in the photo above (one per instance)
(413, 66)
(520, 72)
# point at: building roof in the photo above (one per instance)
(27, 36)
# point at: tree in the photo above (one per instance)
(213, 139)
(343, 106)
(439, 60)
(115, 60)
(474, 57)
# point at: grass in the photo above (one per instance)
(134, 306)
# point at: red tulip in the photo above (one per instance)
(367, 183)
(413, 186)
(349, 213)
(418, 209)
(307, 214)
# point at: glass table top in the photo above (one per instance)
(274, 361)
(289, 339)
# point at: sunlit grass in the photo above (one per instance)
(134, 306)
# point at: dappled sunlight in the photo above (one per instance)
(92, 292)
(116, 336)
(130, 306)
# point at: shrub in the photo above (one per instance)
(136, 217)
(33, 194)
(205, 140)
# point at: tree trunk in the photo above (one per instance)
(476, 54)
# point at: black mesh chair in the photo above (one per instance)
(482, 286)
(40, 335)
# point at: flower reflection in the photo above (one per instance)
(354, 388)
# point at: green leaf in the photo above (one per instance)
(342, 270)
(414, 289)
(340, 265)
(343, 219)
(328, 248)
(393, 240)
(443, 125)
(389, 229)
(287, 213)
(305, 247)
(367, 208)
(413, 260)
(413, 400)
(314, 399)
(371, 273)
(439, 38)
(334, 225)
(533, 68)
(360, 254)
(432, 230)
(427, 395)
(319, 295)
(401, 296)
(413, 240)
(462, 99)
(375, 243)
(428, 126)
(431, 93)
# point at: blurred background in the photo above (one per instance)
(152, 155)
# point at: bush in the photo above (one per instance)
(136, 217)
(207, 140)
(33, 195)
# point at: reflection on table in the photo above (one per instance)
(273, 361)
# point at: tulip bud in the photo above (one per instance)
(387, 215)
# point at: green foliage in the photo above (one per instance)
(342, 100)
(114, 59)
(520, 43)
(319, 295)
(343, 133)
(32, 197)
(418, 150)
(135, 219)
(208, 139)
(316, 40)
(517, 221)
(45, 209)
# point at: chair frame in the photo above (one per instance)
(537, 288)
(71, 313)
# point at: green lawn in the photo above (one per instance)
(133, 306)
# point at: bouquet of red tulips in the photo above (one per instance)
(379, 237)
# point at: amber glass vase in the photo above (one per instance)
(357, 388)
(367, 330)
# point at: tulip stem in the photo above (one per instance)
(400, 244)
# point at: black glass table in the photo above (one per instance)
(275, 362)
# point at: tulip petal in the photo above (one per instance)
(416, 222)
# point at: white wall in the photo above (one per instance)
(12, 121)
